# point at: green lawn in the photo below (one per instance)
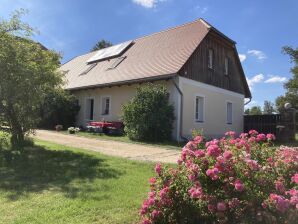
(124, 138)
(51, 183)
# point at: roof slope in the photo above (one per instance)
(156, 55)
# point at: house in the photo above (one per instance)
(199, 65)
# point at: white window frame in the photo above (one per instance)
(85, 108)
(195, 108)
(101, 105)
(226, 66)
(210, 58)
(229, 122)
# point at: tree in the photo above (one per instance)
(247, 111)
(255, 110)
(101, 45)
(268, 107)
(58, 107)
(27, 72)
(291, 86)
(149, 116)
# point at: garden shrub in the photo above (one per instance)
(149, 116)
(59, 108)
(230, 180)
(4, 140)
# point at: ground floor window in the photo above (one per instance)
(229, 113)
(105, 105)
(199, 108)
(89, 109)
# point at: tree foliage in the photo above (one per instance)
(27, 73)
(268, 107)
(255, 110)
(101, 45)
(58, 107)
(149, 116)
(291, 87)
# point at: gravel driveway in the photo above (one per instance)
(113, 148)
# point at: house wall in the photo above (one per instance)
(215, 115)
(119, 96)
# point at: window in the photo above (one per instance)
(226, 66)
(116, 62)
(210, 58)
(89, 109)
(88, 69)
(199, 109)
(229, 113)
(105, 105)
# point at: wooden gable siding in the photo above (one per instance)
(196, 67)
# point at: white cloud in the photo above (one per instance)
(258, 54)
(255, 79)
(147, 3)
(276, 79)
(242, 57)
(200, 9)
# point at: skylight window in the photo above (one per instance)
(88, 69)
(117, 62)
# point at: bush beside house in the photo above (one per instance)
(149, 116)
(59, 108)
(231, 180)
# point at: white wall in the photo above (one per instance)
(215, 115)
(119, 96)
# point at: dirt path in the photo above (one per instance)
(113, 148)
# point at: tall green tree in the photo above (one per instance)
(101, 45)
(268, 107)
(291, 87)
(27, 72)
(255, 110)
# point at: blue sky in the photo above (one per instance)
(260, 28)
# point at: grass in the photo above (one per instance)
(50, 183)
(166, 144)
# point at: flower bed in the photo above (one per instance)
(230, 180)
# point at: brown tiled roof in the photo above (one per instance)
(155, 56)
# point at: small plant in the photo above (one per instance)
(59, 127)
(4, 140)
(73, 130)
(228, 180)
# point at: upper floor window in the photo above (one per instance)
(199, 109)
(210, 58)
(226, 65)
(105, 105)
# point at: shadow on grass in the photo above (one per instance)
(37, 169)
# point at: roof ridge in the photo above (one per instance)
(175, 27)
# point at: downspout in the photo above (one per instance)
(248, 101)
(181, 111)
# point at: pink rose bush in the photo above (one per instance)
(229, 180)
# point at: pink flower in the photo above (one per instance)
(279, 186)
(239, 185)
(253, 132)
(234, 203)
(270, 137)
(199, 153)
(221, 206)
(198, 139)
(195, 192)
(158, 168)
(152, 180)
(146, 221)
(228, 154)
(230, 134)
(212, 173)
(155, 214)
(213, 151)
(211, 208)
(261, 137)
(295, 178)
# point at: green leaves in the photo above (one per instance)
(149, 116)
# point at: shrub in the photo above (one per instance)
(73, 130)
(149, 116)
(230, 180)
(4, 140)
(59, 107)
